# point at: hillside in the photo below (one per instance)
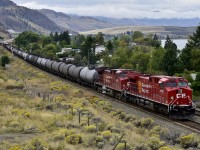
(4, 34)
(73, 22)
(160, 30)
(21, 19)
(180, 22)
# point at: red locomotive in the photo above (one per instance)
(166, 94)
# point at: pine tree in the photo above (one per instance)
(189, 55)
(170, 59)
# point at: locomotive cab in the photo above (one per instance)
(179, 97)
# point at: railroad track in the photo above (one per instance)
(189, 124)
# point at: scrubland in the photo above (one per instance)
(38, 112)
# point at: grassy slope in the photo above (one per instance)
(33, 105)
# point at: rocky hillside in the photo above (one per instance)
(76, 23)
(20, 19)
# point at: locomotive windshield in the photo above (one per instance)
(170, 84)
(182, 83)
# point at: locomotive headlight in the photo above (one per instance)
(172, 97)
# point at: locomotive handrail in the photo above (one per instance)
(193, 104)
(171, 103)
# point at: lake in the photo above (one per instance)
(181, 43)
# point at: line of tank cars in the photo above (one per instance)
(167, 95)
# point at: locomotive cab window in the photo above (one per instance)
(182, 83)
(122, 75)
(170, 84)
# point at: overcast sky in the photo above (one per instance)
(120, 8)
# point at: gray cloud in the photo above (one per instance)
(120, 8)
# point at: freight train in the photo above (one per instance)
(167, 95)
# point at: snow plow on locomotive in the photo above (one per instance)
(166, 94)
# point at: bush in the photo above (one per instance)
(106, 134)
(89, 140)
(29, 128)
(163, 132)
(74, 139)
(142, 147)
(59, 135)
(15, 147)
(100, 145)
(4, 60)
(147, 123)
(115, 130)
(165, 148)
(155, 143)
(99, 138)
(90, 129)
(121, 146)
(114, 139)
(36, 144)
(189, 141)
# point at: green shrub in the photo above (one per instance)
(121, 146)
(36, 144)
(142, 147)
(15, 147)
(59, 135)
(100, 145)
(74, 139)
(90, 129)
(99, 138)
(114, 139)
(106, 134)
(115, 130)
(165, 148)
(163, 132)
(102, 126)
(155, 143)
(122, 115)
(89, 140)
(189, 140)
(147, 123)
(29, 128)
(14, 124)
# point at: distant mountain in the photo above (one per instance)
(190, 22)
(18, 18)
(6, 3)
(74, 22)
(21, 19)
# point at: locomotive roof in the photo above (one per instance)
(163, 76)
